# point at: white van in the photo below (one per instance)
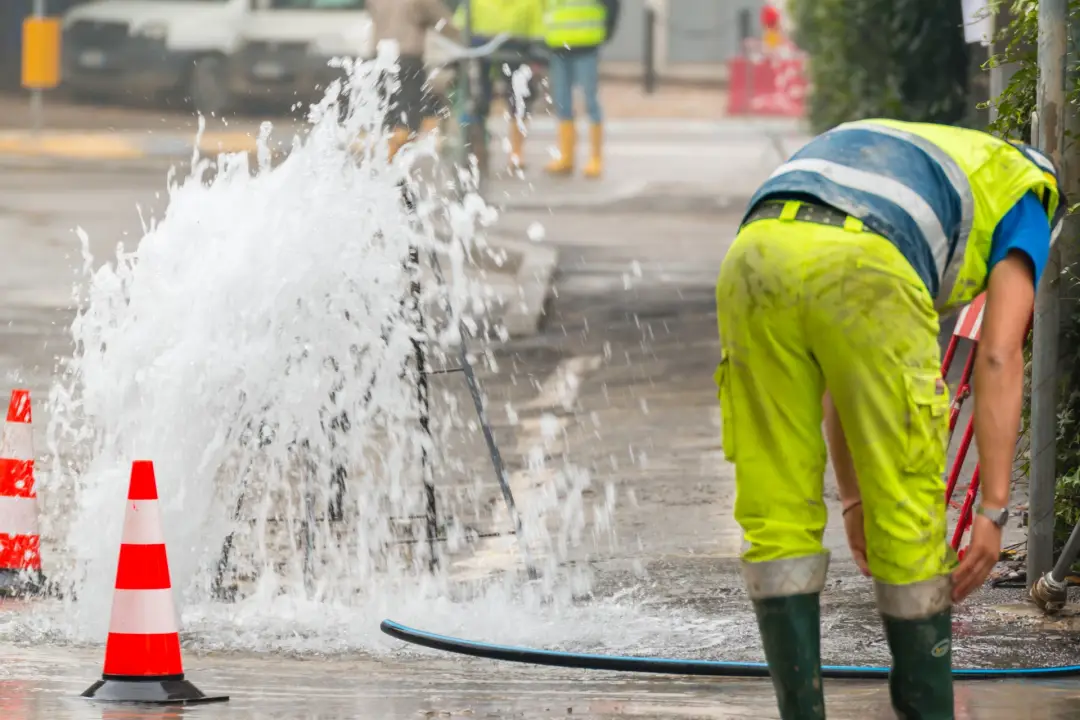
(285, 48)
(150, 48)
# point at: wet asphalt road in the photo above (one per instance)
(632, 316)
(48, 688)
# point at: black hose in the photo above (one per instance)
(675, 666)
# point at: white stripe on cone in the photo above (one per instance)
(18, 516)
(142, 524)
(962, 322)
(143, 612)
(968, 327)
(18, 441)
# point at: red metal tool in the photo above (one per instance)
(968, 326)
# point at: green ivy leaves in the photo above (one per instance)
(900, 59)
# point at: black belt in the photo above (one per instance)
(808, 212)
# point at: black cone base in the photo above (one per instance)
(155, 691)
(21, 583)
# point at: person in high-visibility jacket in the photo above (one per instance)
(406, 24)
(574, 32)
(828, 307)
(522, 20)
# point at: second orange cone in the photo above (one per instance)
(20, 554)
(142, 654)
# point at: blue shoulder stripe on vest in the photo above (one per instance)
(893, 158)
(879, 215)
(895, 187)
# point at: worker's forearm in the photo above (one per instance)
(844, 467)
(999, 387)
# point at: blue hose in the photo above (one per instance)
(674, 666)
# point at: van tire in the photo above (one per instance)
(207, 89)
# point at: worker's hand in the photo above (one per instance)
(856, 537)
(979, 558)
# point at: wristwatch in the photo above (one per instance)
(998, 517)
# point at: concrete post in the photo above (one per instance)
(1001, 75)
(1050, 104)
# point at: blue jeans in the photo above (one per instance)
(580, 68)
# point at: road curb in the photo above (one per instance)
(106, 146)
(644, 199)
(126, 145)
(524, 315)
(688, 199)
(149, 153)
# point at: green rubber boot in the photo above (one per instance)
(790, 629)
(920, 683)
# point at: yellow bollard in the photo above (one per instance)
(40, 59)
(41, 53)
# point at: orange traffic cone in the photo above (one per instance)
(142, 654)
(20, 556)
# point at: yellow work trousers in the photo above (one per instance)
(802, 307)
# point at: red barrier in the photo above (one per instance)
(765, 85)
(969, 326)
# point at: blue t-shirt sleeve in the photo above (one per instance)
(1026, 229)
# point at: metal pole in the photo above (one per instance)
(1068, 246)
(423, 391)
(649, 56)
(745, 33)
(496, 457)
(999, 74)
(424, 403)
(1068, 555)
(464, 86)
(37, 95)
(473, 135)
(1050, 102)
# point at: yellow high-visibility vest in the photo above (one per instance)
(575, 23)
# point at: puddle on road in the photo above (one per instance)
(44, 685)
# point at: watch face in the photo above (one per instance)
(998, 517)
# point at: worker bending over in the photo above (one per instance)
(828, 304)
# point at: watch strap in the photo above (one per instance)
(999, 517)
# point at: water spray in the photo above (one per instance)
(412, 309)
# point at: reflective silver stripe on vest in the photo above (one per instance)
(884, 187)
(948, 273)
(1058, 223)
(1040, 160)
(579, 25)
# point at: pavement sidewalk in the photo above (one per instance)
(112, 133)
(672, 151)
(39, 209)
(621, 100)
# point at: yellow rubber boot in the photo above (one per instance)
(564, 164)
(517, 145)
(398, 140)
(431, 126)
(595, 166)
